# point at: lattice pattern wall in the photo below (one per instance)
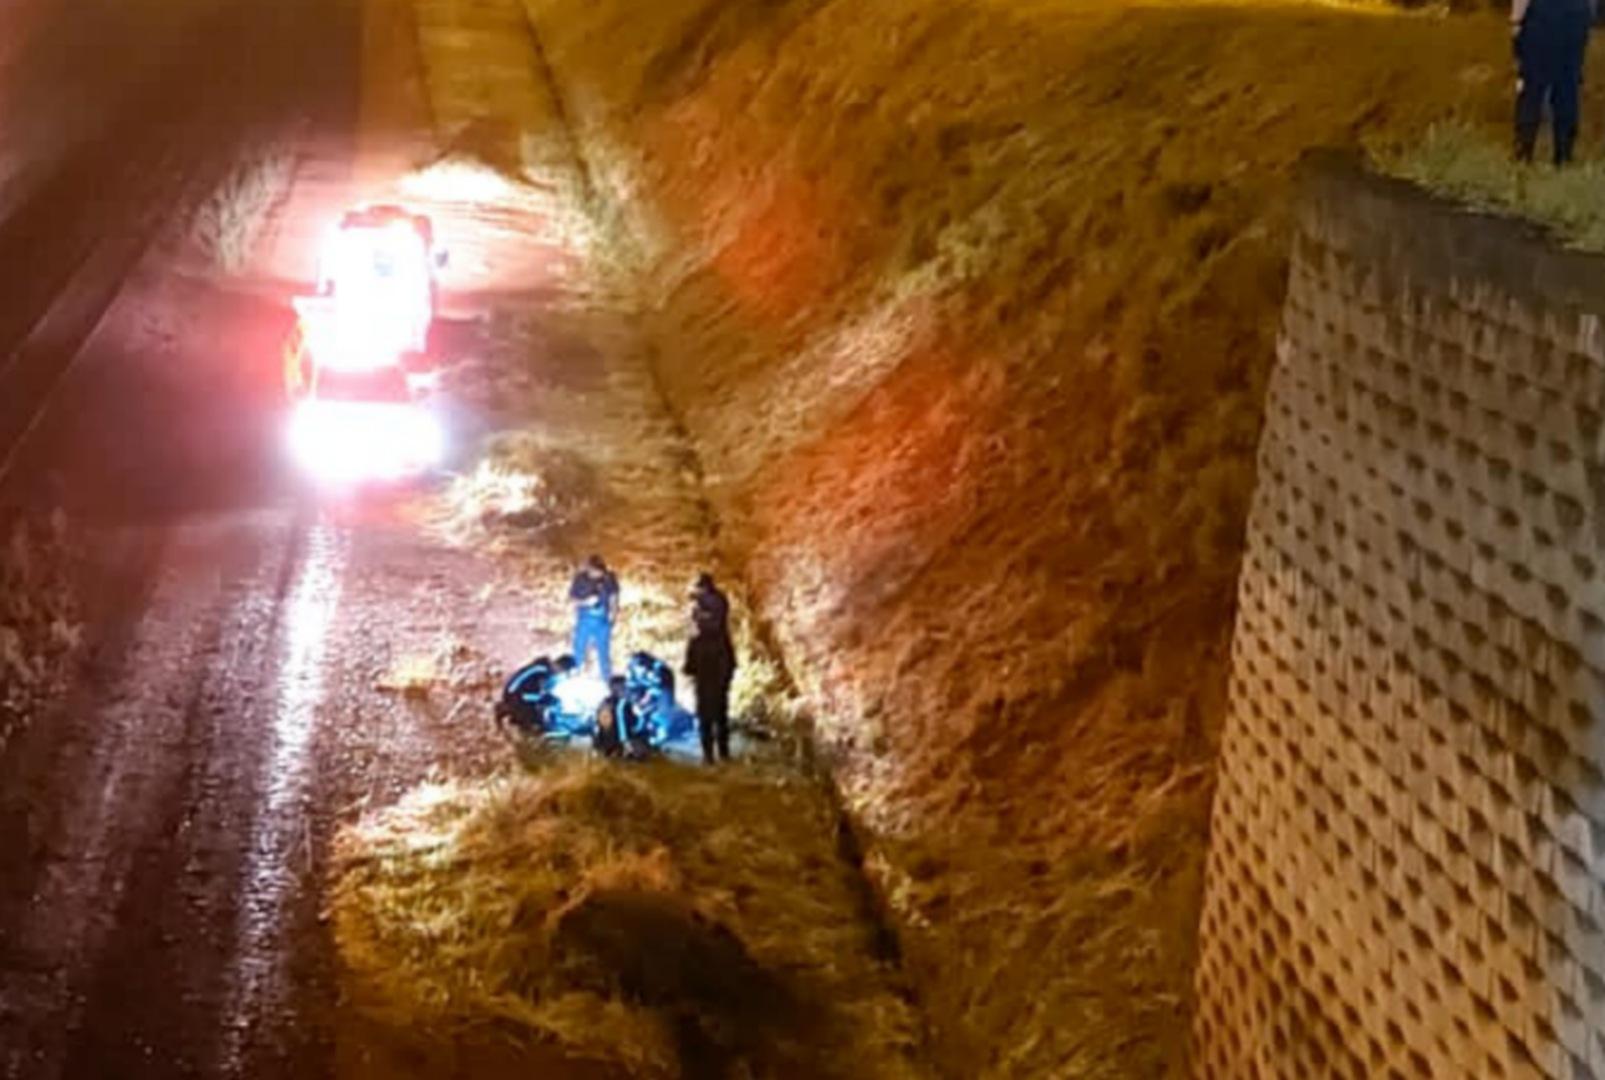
(1406, 872)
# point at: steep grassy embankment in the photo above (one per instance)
(968, 306)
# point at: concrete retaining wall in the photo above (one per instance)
(1409, 835)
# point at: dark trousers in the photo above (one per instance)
(1549, 53)
(713, 720)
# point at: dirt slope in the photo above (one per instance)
(968, 305)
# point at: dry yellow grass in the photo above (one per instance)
(652, 918)
(1467, 165)
(968, 305)
(659, 921)
(585, 460)
(524, 483)
(228, 224)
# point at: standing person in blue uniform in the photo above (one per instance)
(1551, 38)
(595, 595)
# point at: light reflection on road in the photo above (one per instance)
(280, 847)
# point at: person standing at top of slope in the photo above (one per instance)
(1551, 38)
(595, 595)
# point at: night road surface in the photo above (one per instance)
(164, 831)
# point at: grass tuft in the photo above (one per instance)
(655, 918)
(39, 613)
(229, 224)
(1464, 163)
(526, 484)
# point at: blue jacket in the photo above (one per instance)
(594, 596)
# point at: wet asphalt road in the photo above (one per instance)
(163, 833)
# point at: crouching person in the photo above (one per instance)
(608, 737)
(622, 729)
(527, 703)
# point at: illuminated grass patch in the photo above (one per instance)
(1469, 165)
(653, 918)
(229, 225)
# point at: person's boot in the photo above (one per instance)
(1563, 150)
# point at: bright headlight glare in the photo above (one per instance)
(354, 441)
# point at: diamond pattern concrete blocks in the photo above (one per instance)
(1408, 870)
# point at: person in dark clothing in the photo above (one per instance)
(595, 595)
(710, 661)
(710, 608)
(527, 703)
(650, 679)
(647, 672)
(611, 726)
(1551, 38)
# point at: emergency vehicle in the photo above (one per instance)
(379, 266)
(356, 364)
